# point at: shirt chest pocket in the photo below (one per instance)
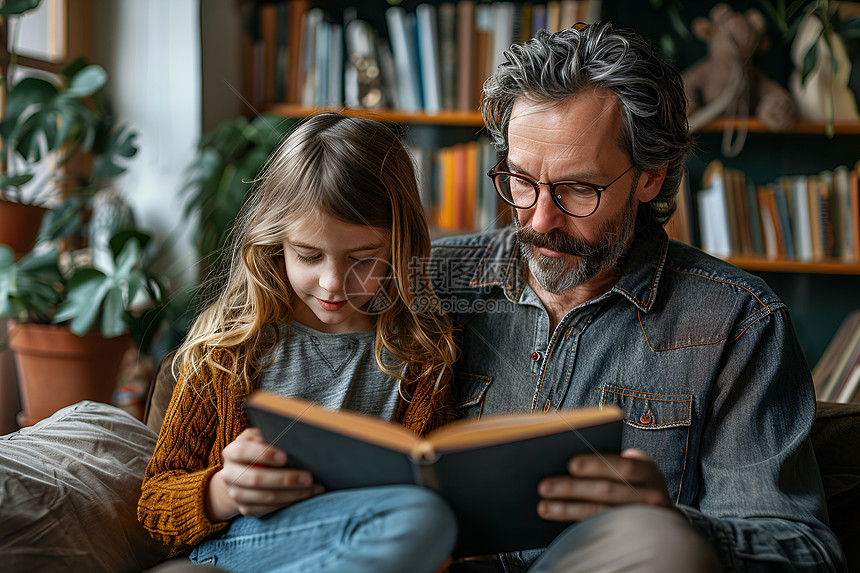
(470, 390)
(658, 424)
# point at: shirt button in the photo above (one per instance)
(535, 356)
(646, 418)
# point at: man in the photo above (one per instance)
(584, 302)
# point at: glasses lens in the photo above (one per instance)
(516, 190)
(580, 200)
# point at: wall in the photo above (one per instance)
(151, 51)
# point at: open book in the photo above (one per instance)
(486, 469)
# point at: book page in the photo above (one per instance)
(472, 433)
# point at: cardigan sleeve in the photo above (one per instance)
(203, 416)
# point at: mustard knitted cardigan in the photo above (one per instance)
(205, 414)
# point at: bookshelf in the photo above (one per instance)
(819, 293)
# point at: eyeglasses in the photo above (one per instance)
(576, 198)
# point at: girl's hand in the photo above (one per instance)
(253, 480)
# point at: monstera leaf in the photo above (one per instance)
(93, 295)
(31, 288)
(40, 114)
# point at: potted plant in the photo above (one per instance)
(19, 218)
(228, 161)
(71, 323)
(73, 295)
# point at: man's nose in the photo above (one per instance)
(546, 215)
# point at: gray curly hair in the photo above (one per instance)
(552, 67)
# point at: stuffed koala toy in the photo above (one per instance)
(726, 83)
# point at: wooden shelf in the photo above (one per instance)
(445, 118)
(802, 127)
(461, 118)
(827, 266)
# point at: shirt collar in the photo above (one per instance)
(643, 264)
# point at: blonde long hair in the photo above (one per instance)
(355, 170)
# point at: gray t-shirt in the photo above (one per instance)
(334, 370)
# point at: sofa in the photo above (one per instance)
(69, 485)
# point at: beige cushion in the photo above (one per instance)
(160, 392)
(69, 487)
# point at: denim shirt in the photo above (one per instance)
(701, 358)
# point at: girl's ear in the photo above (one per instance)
(650, 183)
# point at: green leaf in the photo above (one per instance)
(74, 67)
(113, 314)
(62, 221)
(119, 239)
(30, 287)
(86, 291)
(18, 7)
(119, 143)
(127, 258)
(809, 61)
(87, 82)
(14, 180)
(27, 92)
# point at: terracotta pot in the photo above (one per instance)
(19, 225)
(57, 368)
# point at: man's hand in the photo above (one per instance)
(598, 482)
(253, 480)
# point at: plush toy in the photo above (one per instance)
(726, 83)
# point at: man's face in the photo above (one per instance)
(573, 140)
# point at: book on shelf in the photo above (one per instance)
(553, 16)
(570, 13)
(312, 20)
(772, 232)
(807, 218)
(428, 54)
(467, 98)
(269, 35)
(335, 66)
(836, 375)
(813, 200)
(525, 23)
(854, 190)
(712, 209)
(842, 198)
(739, 215)
(502, 34)
(322, 62)
(447, 18)
(779, 193)
(678, 225)
(538, 18)
(461, 461)
(281, 52)
(405, 59)
(801, 228)
(482, 46)
(756, 235)
(294, 77)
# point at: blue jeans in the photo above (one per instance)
(379, 529)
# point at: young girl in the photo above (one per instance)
(318, 302)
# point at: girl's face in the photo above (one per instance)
(335, 268)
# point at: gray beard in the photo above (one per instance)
(558, 274)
